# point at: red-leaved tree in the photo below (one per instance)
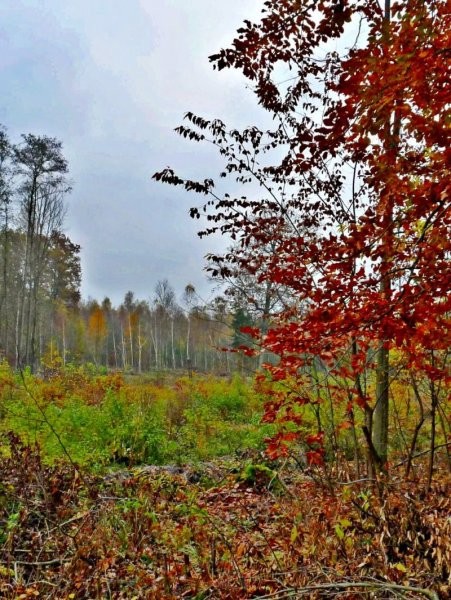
(353, 197)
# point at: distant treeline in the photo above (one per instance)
(141, 335)
(42, 317)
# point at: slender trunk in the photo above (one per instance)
(381, 409)
(265, 322)
(188, 339)
(115, 350)
(23, 324)
(28, 269)
(64, 341)
(434, 403)
(131, 340)
(4, 295)
(124, 350)
(41, 248)
(445, 430)
(17, 335)
(106, 353)
(418, 426)
(432, 442)
(153, 338)
(139, 348)
(188, 356)
(172, 343)
(33, 327)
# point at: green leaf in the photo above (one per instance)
(345, 523)
(339, 532)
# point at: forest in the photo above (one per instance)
(42, 315)
(291, 438)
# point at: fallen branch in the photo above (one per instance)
(347, 585)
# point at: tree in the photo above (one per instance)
(127, 309)
(166, 305)
(42, 169)
(60, 287)
(241, 320)
(63, 269)
(188, 297)
(40, 266)
(97, 329)
(262, 298)
(107, 310)
(357, 208)
(5, 207)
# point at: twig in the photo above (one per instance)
(45, 582)
(71, 520)
(402, 462)
(37, 563)
(365, 479)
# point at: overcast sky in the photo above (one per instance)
(111, 79)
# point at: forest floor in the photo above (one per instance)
(228, 529)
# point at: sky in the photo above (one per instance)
(111, 79)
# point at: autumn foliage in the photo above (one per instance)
(352, 196)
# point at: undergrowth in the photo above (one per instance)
(87, 512)
(67, 533)
(102, 420)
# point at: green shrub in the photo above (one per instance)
(100, 420)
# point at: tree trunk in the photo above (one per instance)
(381, 408)
(115, 349)
(130, 330)
(172, 343)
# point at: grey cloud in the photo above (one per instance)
(111, 79)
